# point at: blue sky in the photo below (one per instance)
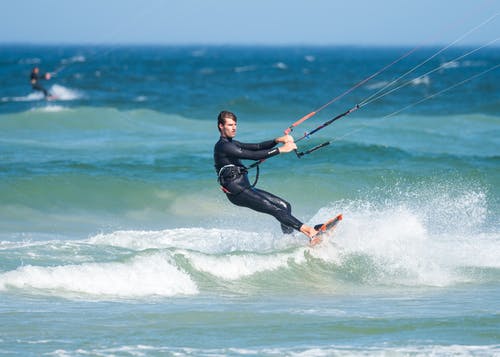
(281, 22)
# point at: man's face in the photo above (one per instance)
(228, 130)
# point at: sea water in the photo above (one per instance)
(115, 239)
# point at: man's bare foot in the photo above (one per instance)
(314, 240)
(311, 233)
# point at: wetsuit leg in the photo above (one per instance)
(38, 87)
(286, 229)
(265, 202)
(280, 202)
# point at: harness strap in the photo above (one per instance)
(222, 169)
(240, 170)
(256, 176)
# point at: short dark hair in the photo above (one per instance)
(223, 115)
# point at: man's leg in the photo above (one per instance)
(265, 202)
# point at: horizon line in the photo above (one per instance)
(230, 44)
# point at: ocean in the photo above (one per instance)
(115, 239)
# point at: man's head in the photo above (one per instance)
(36, 70)
(226, 123)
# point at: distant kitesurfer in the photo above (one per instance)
(233, 175)
(35, 81)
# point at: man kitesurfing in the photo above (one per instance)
(233, 176)
(35, 79)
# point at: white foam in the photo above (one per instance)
(280, 65)
(141, 276)
(226, 254)
(140, 98)
(384, 350)
(294, 351)
(7, 245)
(51, 108)
(63, 93)
(74, 59)
(377, 85)
(245, 68)
(28, 98)
(422, 80)
(233, 267)
(199, 239)
(450, 64)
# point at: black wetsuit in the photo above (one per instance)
(35, 84)
(233, 177)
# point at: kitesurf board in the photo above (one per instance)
(325, 229)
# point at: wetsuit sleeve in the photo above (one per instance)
(265, 145)
(249, 151)
(38, 77)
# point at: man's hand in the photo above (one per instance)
(284, 139)
(287, 147)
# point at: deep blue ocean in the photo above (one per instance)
(115, 239)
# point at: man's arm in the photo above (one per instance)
(268, 144)
(265, 145)
(236, 149)
(249, 151)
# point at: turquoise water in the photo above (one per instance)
(115, 239)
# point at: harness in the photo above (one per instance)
(235, 171)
